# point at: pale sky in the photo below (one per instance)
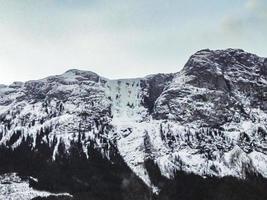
(122, 38)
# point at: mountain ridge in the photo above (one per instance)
(209, 119)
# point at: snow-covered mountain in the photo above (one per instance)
(209, 119)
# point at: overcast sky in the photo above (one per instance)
(121, 38)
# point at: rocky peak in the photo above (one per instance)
(226, 80)
(225, 58)
(233, 63)
(76, 73)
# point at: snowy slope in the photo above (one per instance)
(12, 187)
(209, 119)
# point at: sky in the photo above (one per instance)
(122, 38)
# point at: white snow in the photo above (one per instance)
(173, 145)
(12, 187)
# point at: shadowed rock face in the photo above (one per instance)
(154, 86)
(209, 119)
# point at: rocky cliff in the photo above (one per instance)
(209, 119)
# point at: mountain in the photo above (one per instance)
(92, 137)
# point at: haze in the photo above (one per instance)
(121, 38)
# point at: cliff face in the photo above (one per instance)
(209, 119)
